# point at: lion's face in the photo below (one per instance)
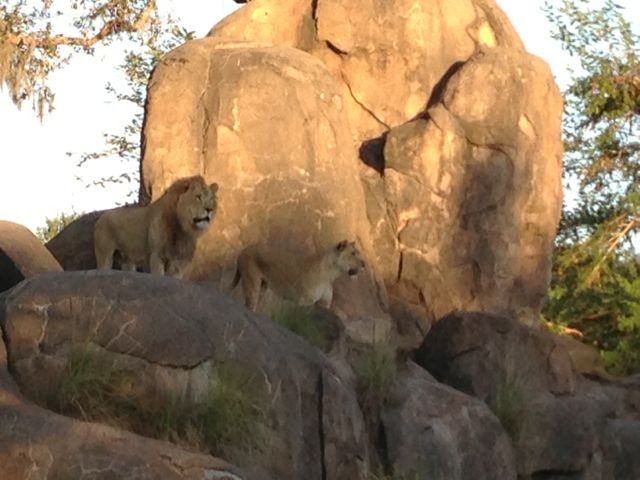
(197, 205)
(348, 258)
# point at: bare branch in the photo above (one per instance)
(109, 28)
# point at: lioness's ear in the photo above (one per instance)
(213, 187)
(342, 245)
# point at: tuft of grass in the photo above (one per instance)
(508, 406)
(232, 417)
(303, 321)
(228, 422)
(93, 389)
(376, 370)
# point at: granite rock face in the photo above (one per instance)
(561, 425)
(37, 443)
(420, 129)
(433, 431)
(165, 338)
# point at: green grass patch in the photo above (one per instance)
(228, 422)
(508, 406)
(376, 370)
(306, 322)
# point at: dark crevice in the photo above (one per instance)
(382, 450)
(362, 105)
(557, 474)
(314, 9)
(321, 425)
(371, 152)
(10, 275)
(438, 89)
(335, 49)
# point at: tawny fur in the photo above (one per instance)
(161, 235)
(305, 281)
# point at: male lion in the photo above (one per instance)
(304, 281)
(161, 235)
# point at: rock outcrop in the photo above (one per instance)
(433, 431)
(36, 443)
(421, 129)
(73, 246)
(22, 255)
(165, 338)
(472, 191)
(560, 423)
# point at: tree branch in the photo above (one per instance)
(109, 28)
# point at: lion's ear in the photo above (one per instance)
(213, 187)
(342, 245)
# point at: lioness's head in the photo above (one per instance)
(197, 205)
(348, 257)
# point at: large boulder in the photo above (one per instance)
(472, 192)
(389, 56)
(268, 125)
(560, 424)
(167, 338)
(36, 443)
(420, 128)
(483, 354)
(73, 246)
(22, 255)
(433, 431)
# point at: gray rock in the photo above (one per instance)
(433, 431)
(167, 335)
(39, 444)
(621, 447)
(73, 246)
(483, 354)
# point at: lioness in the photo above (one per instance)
(161, 235)
(304, 281)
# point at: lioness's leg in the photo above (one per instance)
(251, 278)
(326, 298)
(104, 248)
(156, 264)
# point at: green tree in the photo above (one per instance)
(595, 284)
(32, 45)
(137, 67)
(55, 225)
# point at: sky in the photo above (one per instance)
(38, 179)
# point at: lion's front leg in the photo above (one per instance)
(175, 269)
(156, 263)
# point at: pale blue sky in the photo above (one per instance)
(38, 180)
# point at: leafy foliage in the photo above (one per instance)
(31, 47)
(137, 67)
(55, 225)
(595, 279)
